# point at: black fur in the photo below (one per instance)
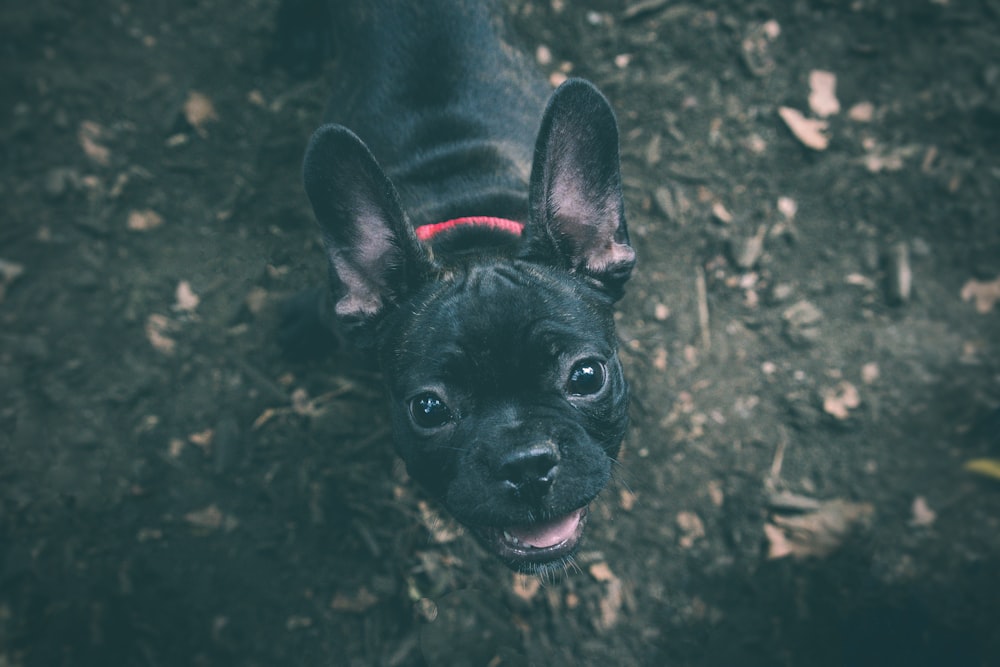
(499, 352)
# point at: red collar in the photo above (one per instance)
(427, 232)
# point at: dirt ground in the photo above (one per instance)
(812, 338)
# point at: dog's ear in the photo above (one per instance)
(577, 217)
(373, 254)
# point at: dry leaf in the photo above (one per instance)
(840, 400)
(870, 373)
(611, 601)
(660, 357)
(881, 159)
(823, 93)
(788, 207)
(9, 272)
(692, 528)
(149, 534)
(143, 220)
(211, 518)
(266, 416)
(298, 622)
(601, 572)
(202, 439)
(721, 213)
(862, 112)
(986, 294)
(815, 533)
(199, 110)
(256, 98)
(611, 604)
(187, 300)
(756, 47)
(358, 603)
(157, 329)
(859, 280)
(440, 530)
(715, 492)
(526, 586)
(986, 467)
(807, 130)
(923, 515)
(256, 299)
(89, 135)
(626, 500)
(175, 448)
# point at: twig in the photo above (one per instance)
(706, 334)
(778, 460)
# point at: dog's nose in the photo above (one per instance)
(529, 472)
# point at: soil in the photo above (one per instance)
(809, 381)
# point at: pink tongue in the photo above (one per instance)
(548, 534)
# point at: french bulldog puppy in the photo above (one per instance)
(474, 228)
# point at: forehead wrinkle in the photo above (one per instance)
(494, 315)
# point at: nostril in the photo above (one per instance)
(531, 470)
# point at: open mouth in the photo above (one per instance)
(529, 547)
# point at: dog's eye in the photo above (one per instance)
(429, 411)
(586, 377)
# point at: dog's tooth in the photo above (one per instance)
(510, 538)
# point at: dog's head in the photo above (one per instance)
(508, 400)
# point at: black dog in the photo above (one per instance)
(480, 261)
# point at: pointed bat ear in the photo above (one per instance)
(577, 218)
(374, 256)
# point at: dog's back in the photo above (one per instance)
(445, 102)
